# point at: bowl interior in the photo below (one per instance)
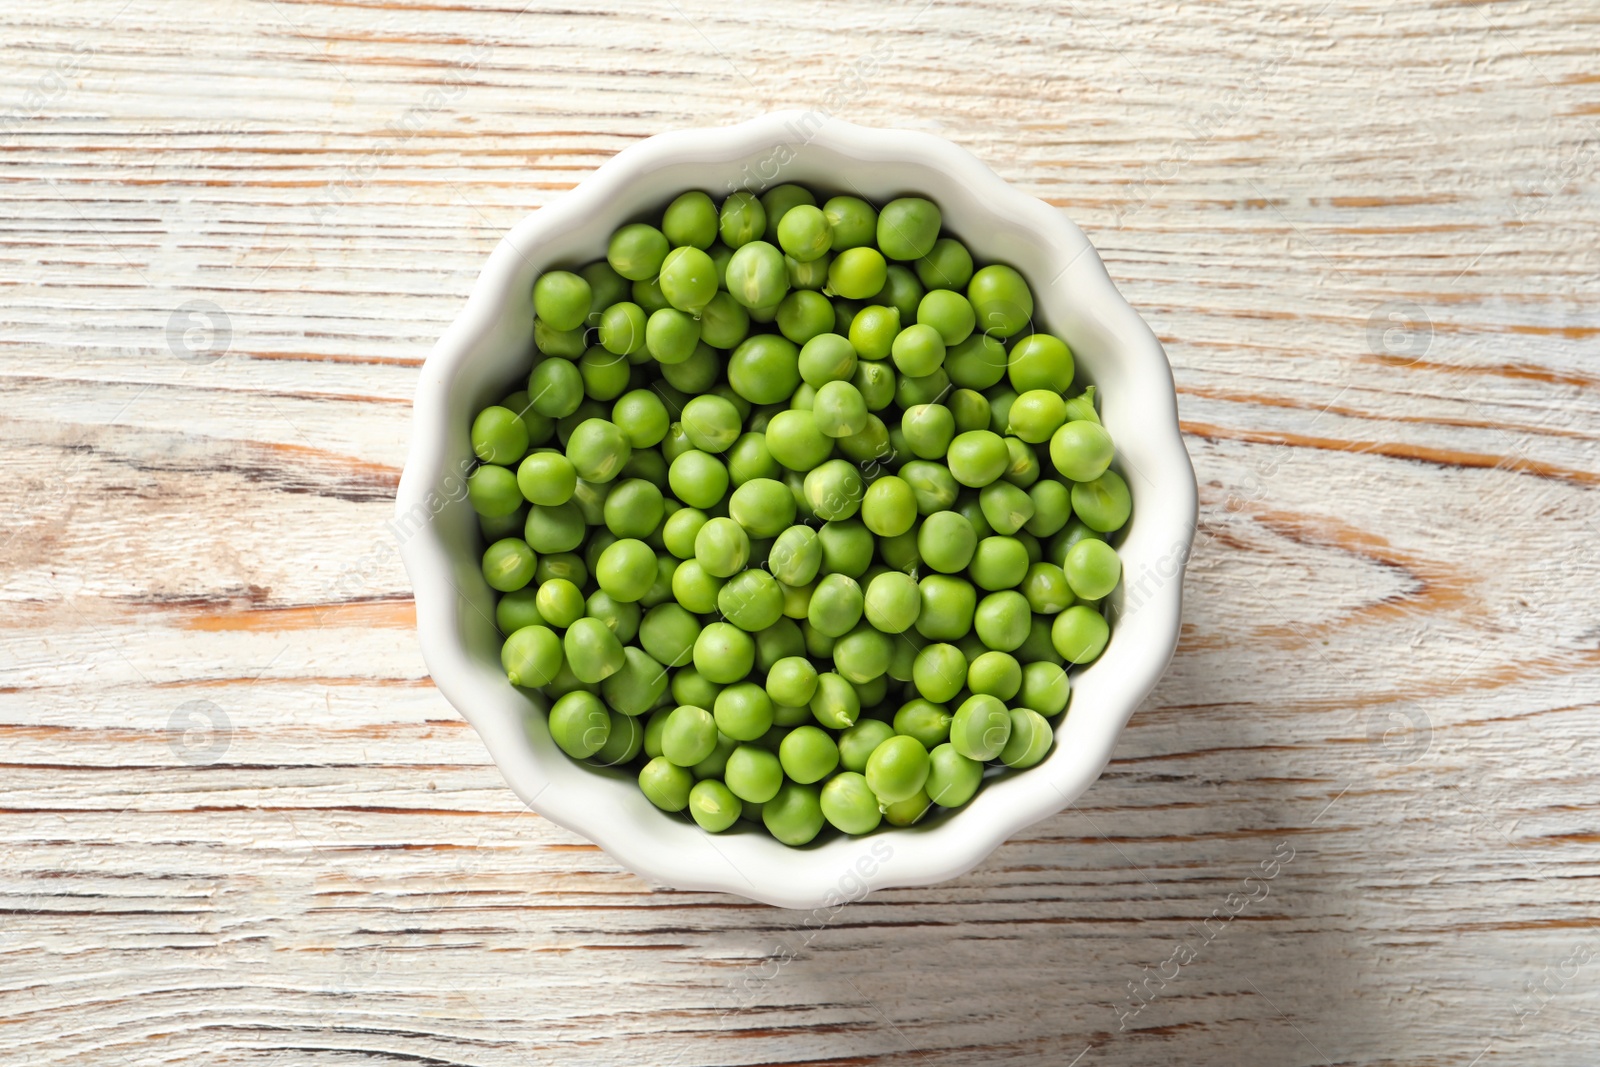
(486, 356)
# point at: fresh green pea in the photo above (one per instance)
(1046, 588)
(605, 375)
(1036, 415)
(756, 275)
(741, 220)
(508, 564)
(808, 754)
(590, 500)
(908, 227)
(665, 784)
(803, 315)
(856, 743)
(897, 769)
(839, 409)
(825, 358)
(1002, 619)
(1040, 361)
(540, 427)
(948, 604)
(948, 265)
(995, 673)
(691, 220)
(1081, 451)
(847, 547)
(969, 409)
(753, 774)
(637, 687)
(977, 458)
(560, 603)
(744, 711)
(794, 814)
(836, 605)
(713, 806)
(946, 541)
(660, 590)
(495, 527)
(978, 362)
(1079, 634)
(924, 720)
(779, 641)
(981, 727)
(939, 672)
(911, 392)
(724, 653)
(1092, 569)
(648, 295)
(592, 650)
(698, 479)
(1052, 507)
(668, 632)
(566, 566)
(862, 654)
(1005, 507)
(711, 423)
(907, 812)
(952, 777)
(1082, 407)
(722, 547)
(1046, 688)
(750, 460)
(598, 449)
(835, 704)
(517, 609)
(688, 279)
(636, 251)
(948, 313)
(918, 350)
(876, 383)
(782, 199)
(499, 436)
(654, 725)
(621, 618)
(626, 570)
(671, 336)
(929, 429)
(606, 287)
(1002, 300)
(554, 529)
(723, 321)
(810, 275)
(1022, 464)
(804, 233)
(900, 291)
(566, 344)
(695, 374)
(792, 681)
(547, 478)
(752, 600)
(531, 656)
(1030, 739)
(873, 331)
(857, 273)
(834, 490)
(562, 299)
(853, 221)
(763, 506)
(795, 441)
(796, 556)
(869, 447)
(624, 739)
(634, 508)
(555, 388)
(678, 533)
(849, 804)
(1104, 503)
(999, 563)
(765, 368)
(889, 507)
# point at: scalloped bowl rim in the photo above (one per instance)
(1079, 302)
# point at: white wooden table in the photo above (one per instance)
(1356, 823)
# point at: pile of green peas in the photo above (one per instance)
(799, 516)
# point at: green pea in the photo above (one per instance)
(792, 681)
(636, 251)
(796, 556)
(808, 754)
(873, 331)
(665, 784)
(952, 777)
(948, 604)
(756, 275)
(869, 447)
(970, 410)
(499, 436)
(698, 479)
(648, 295)
(1046, 688)
(1047, 590)
(834, 490)
(897, 769)
(590, 500)
(999, 563)
(689, 736)
(853, 221)
(660, 590)
(779, 641)
(839, 409)
(857, 273)
(804, 233)
(948, 265)
(948, 313)
(876, 383)
(1052, 507)
(1036, 415)
(671, 336)
(812, 275)
(1081, 451)
(1030, 739)
(836, 704)
(803, 315)
(862, 654)
(782, 199)
(555, 388)
(1002, 620)
(517, 609)
(579, 724)
(592, 650)
(1022, 464)
(918, 350)
(1092, 569)
(977, 458)
(825, 358)
(531, 656)
(691, 220)
(847, 547)
(946, 541)
(763, 507)
(929, 429)
(713, 806)
(716, 764)
(688, 279)
(939, 672)
(908, 227)
(598, 449)
(668, 632)
(794, 814)
(978, 362)
(606, 287)
(637, 687)
(901, 291)
(912, 392)
(924, 720)
(654, 725)
(750, 460)
(724, 653)
(540, 428)
(836, 605)
(857, 743)
(508, 564)
(849, 804)
(624, 739)
(889, 507)
(604, 375)
(995, 673)
(678, 532)
(495, 527)
(562, 299)
(566, 566)
(795, 441)
(689, 686)
(753, 774)
(1082, 407)
(695, 374)
(621, 618)
(1103, 504)
(554, 529)
(1005, 507)
(981, 727)
(764, 369)
(560, 603)
(722, 547)
(634, 508)
(567, 344)
(1079, 634)
(626, 569)
(711, 423)
(752, 600)
(1040, 361)
(1002, 300)
(741, 220)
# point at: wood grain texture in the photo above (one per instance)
(239, 825)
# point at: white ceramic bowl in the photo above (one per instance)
(484, 355)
